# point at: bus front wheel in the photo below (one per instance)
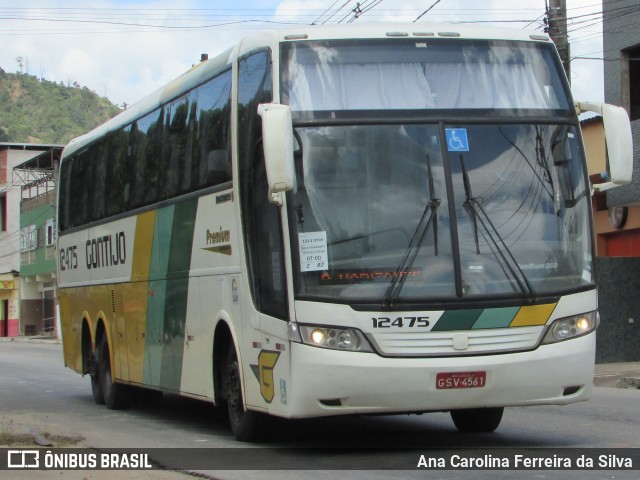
(477, 420)
(247, 425)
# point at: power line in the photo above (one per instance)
(426, 11)
(176, 18)
(337, 11)
(141, 20)
(324, 13)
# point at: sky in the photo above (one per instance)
(125, 49)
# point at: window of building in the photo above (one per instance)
(3, 212)
(631, 81)
(49, 232)
(28, 238)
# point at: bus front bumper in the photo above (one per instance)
(330, 382)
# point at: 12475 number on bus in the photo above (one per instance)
(400, 322)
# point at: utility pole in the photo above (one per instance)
(557, 29)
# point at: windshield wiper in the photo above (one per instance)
(477, 213)
(428, 218)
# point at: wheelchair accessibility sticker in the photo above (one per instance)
(457, 140)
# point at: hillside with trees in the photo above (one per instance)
(34, 110)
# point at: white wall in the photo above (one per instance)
(10, 239)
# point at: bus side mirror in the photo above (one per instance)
(619, 142)
(277, 142)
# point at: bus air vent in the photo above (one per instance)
(571, 390)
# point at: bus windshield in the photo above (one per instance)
(429, 74)
(428, 210)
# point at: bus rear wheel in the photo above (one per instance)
(246, 425)
(477, 420)
(96, 384)
(116, 396)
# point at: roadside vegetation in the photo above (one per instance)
(34, 110)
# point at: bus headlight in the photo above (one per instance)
(336, 338)
(571, 327)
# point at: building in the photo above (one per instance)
(15, 160)
(614, 225)
(37, 243)
(617, 211)
(621, 39)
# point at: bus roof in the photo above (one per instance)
(271, 38)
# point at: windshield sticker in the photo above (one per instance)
(457, 140)
(313, 251)
(382, 275)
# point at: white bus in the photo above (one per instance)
(340, 220)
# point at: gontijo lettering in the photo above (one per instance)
(106, 251)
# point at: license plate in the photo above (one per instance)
(451, 380)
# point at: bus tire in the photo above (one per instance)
(246, 425)
(96, 384)
(477, 420)
(116, 396)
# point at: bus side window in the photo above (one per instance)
(213, 133)
(191, 154)
(174, 151)
(262, 220)
(118, 162)
(65, 192)
(79, 194)
(268, 245)
(99, 155)
(145, 140)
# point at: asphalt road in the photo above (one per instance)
(37, 394)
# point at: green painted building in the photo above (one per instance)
(37, 180)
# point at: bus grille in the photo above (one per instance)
(467, 342)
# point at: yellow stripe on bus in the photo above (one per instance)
(533, 315)
(135, 295)
(145, 223)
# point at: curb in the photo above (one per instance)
(629, 382)
(36, 339)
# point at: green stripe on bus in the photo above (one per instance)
(457, 320)
(177, 293)
(154, 349)
(496, 317)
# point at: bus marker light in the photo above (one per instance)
(583, 324)
(317, 337)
